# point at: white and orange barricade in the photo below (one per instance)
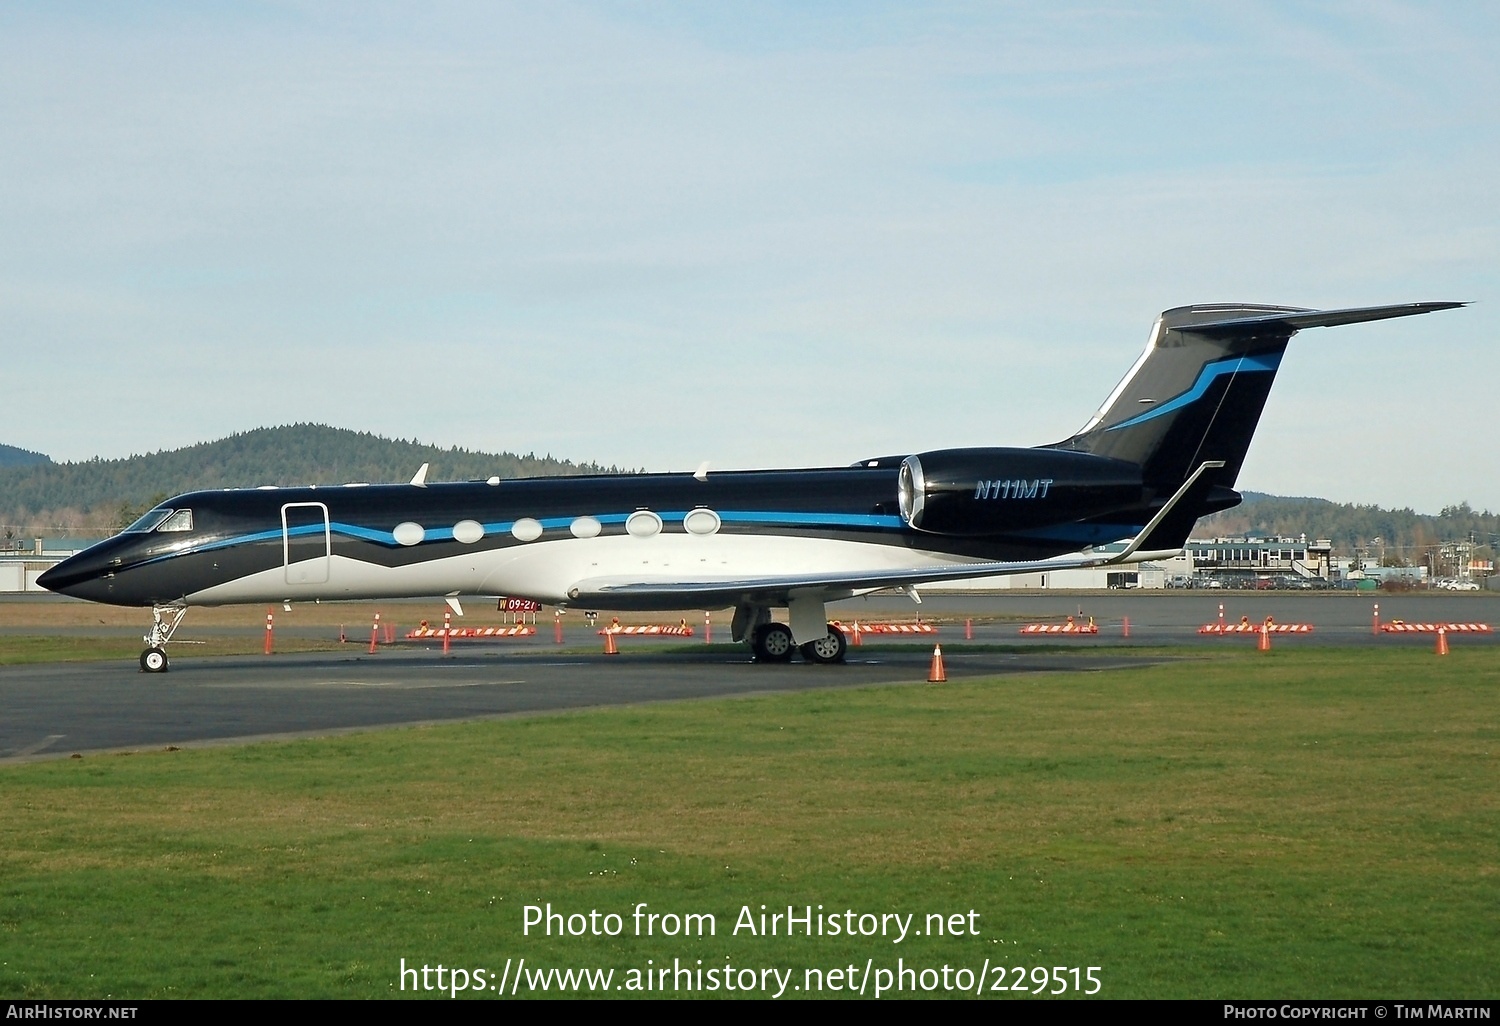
(1071, 628)
(1402, 627)
(886, 628)
(1269, 626)
(424, 632)
(650, 630)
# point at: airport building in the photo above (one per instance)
(1205, 563)
(1239, 561)
(21, 566)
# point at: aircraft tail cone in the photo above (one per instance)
(937, 674)
(610, 648)
(1442, 642)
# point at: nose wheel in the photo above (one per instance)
(164, 621)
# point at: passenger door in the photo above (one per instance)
(306, 542)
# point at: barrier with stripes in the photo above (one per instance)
(1245, 627)
(1061, 628)
(422, 633)
(652, 630)
(886, 628)
(1401, 627)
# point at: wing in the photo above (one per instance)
(619, 592)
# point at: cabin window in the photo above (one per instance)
(181, 520)
(148, 522)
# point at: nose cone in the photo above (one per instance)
(87, 575)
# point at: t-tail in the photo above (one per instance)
(1194, 398)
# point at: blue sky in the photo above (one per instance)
(760, 234)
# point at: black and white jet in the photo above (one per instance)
(1163, 450)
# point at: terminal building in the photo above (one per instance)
(1240, 562)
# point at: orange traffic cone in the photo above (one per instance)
(1442, 645)
(937, 674)
(610, 648)
(1265, 638)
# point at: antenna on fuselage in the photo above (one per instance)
(420, 477)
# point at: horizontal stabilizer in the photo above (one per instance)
(1296, 320)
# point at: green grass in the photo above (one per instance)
(1305, 823)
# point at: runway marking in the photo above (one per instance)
(33, 749)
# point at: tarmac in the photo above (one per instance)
(59, 709)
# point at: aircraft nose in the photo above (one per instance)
(86, 575)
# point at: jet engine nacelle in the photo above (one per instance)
(996, 491)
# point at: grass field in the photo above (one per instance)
(1304, 823)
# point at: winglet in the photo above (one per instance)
(420, 477)
(1161, 514)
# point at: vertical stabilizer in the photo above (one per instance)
(1196, 394)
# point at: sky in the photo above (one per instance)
(755, 234)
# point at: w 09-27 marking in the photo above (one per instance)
(1013, 488)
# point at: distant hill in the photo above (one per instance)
(76, 494)
(1348, 526)
(10, 456)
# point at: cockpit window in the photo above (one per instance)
(148, 522)
(181, 520)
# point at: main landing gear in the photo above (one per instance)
(773, 643)
(164, 621)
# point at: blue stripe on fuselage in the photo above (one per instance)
(433, 534)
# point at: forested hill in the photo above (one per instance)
(292, 455)
(10, 456)
(1349, 526)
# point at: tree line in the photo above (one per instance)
(100, 495)
(1401, 536)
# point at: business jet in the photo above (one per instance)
(1163, 450)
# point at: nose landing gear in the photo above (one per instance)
(164, 621)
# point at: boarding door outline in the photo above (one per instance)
(306, 542)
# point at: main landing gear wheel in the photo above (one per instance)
(154, 660)
(773, 643)
(828, 649)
